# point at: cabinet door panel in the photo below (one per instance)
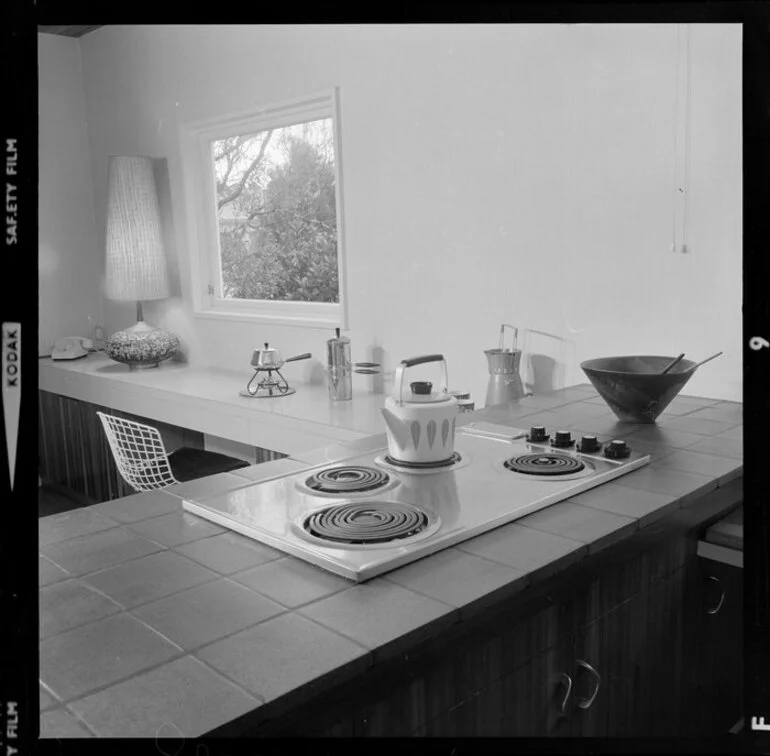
(715, 663)
(606, 685)
(537, 696)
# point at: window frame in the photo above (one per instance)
(200, 189)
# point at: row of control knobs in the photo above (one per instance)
(615, 449)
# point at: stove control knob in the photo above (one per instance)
(589, 444)
(617, 449)
(537, 434)
(562, 439)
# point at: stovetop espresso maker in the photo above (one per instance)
(504, 381)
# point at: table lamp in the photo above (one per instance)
(136, 264)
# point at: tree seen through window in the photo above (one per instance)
(277, 214)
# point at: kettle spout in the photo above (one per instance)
(398, 429)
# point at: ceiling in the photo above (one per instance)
(67, 31)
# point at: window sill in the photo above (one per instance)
(303, 321)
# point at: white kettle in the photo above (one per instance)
(421, 426)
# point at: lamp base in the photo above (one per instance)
(141, 346)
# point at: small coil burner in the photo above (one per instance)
(544, 464)
(364, 523)
(347, 479)
(453, 460)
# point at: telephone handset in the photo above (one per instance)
(71, 348)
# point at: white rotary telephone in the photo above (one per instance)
(71, 348)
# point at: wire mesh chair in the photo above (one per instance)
(139, 453)
(141, 458)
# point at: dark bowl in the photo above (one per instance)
(633, 387)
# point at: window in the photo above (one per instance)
(265, 208)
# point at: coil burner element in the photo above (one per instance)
(347, 479)
(453, 460)
(544, 464)
(366, 522)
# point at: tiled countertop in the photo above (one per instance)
(149, 614)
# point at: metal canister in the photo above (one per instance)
(339, 368)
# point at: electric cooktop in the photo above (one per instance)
(366, 515)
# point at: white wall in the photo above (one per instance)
(70, 296)
(519, 174)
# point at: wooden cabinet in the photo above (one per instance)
(641, 640)
(714, 647)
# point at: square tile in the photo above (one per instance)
(143, 580)
(207, 612)
(208, 486)
(692, 424)
(606, 424)
(270, 469)
(59, 723)
(76, 522)
(697, 402)
(283, 654)
(229, 552)
(368, 443)
(710, 465)
(93, 552)
(683, 486)
(460, 579)
(727, 413)
(574, 393)
(49, 573)
(545, 401)
(175, 528)
(595, 527)
(381, 616)
(171, 699)
(139, 506)
(325, 455)
(100, 653)
(291, 581)
(645, 506)
(657, 434)
(47, 700)
(71, 603)
(525, 549)
(504, 414)
(720, 446)
(734, 434)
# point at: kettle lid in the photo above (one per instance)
(421, 392)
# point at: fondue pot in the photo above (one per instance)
(421, 425)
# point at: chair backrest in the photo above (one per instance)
(139, 453)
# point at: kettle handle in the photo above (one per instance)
(411, 362)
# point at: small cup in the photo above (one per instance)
(466, 405)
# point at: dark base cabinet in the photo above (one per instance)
(625, 644)
(715, 645)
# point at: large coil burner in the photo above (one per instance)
(367, 523)
(544, 464)
(347, 479)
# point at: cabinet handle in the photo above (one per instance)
(721, 598)
(586, 703)
(567, 680)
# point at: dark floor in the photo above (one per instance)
(53, 499)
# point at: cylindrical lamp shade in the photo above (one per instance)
(136, 263)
